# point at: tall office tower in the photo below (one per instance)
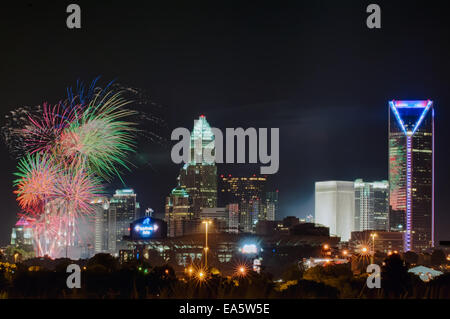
(122, 212)
(233, 217)
(371, 205)
(271, 205)
(245, 216)
(101, 209)
(335, 207)
(381, 205)
(411, 172)
(177, 211)
(249, 193)
(236, 189)
(199, 176)
(249, 213)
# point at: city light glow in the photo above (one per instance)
(249, 249)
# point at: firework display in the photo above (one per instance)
(69, 150)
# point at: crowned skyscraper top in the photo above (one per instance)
(202, 142)
(411, 172)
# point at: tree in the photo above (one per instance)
(411, 257)
(395, 279)
(438, 258)
(309, 289)
(337, 276)
(106, 260)
(15, 254)
(292, 272)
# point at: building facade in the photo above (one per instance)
(22, 234)
(234, 189)
(371, 205)
(248, 192)
(233, 217)
(218, 215)
(411, 172)
(177, 211)
(101, 230)
(381, 241)
(335, 207)
(121, 213)
(271, 205)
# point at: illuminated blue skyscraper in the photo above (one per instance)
(411, 172)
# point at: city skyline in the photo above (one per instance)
(326, 89)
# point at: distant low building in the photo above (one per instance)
(218, 215)
(225, 246)
(384, 241)
(267, 227)
(290, 221)
(309, 229)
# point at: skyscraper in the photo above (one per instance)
(371, 205)
(177, 212)
(249, 193)
(248, 215)
(22, 234)
(122, 212)
(411, 172)
(233, 217)
(335, 207)
(101, 207)
(271, 205)
(199, 176)
(234, 189)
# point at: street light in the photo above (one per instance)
(373, 235)
(206, 222)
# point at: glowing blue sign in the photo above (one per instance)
(145, 229)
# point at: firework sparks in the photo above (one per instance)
(70, 148)
(36, 182)
(75, 191)
(42, 132)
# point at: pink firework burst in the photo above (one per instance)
(75, 191)
(42, 132)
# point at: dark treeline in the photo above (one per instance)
(103, 277)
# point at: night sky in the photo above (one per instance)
(311, 68)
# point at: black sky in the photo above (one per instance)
(311, 68)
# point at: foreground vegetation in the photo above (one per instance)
(103, 277)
